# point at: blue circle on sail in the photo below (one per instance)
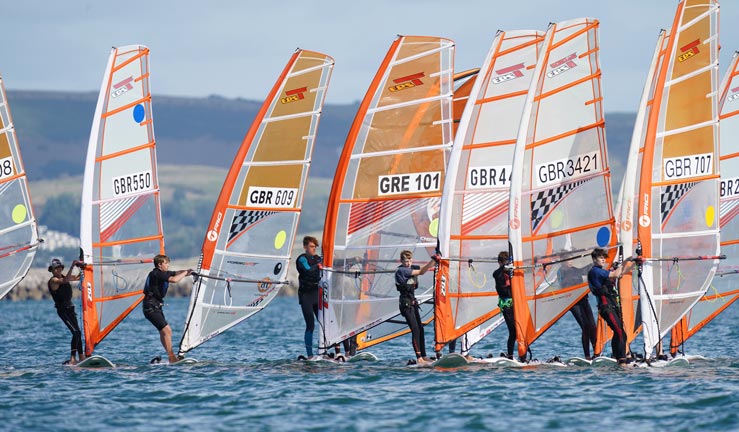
(603, 236)
(139, 113)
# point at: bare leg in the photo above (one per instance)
(165, 335)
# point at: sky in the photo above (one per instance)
(236, 49)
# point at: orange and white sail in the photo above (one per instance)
(246, 250)
(120, 225)
(724, 289)
(387, 189)
(473, 224)
(18, 234)
(560, 195)
(676, 213)
(626, 209)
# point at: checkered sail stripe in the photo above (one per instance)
(670, 196)
(548, 199)
(243, 219)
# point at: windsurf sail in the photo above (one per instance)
(120, 225)
(18, 234)
(724, 289)
(676, 218)
(473, 224)
(246, 251)
(386, 193)
(626, 210)
(560, 203)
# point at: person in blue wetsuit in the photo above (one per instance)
(310, 267)
(61, 292)
(406, 282)
(157, 284)
(570, 275)
(600, 282)
(502, 278)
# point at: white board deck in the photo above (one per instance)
(95, 361)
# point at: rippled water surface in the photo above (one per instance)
(248, 378)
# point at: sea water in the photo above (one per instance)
(249, 379)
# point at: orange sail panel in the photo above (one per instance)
(120, 225)
(560, 165)
(473, 226)
(18, 233)
(246, 250)
(387, 189)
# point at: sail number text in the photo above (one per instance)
(6, 167)
(574, 166)
(489, 176)
(730, 187)
(132, 183)
(688, 166)
(272, 197)
(409, 183)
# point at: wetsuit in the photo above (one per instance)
(157, 284)
(309, 276)
(583, 313)
(505, 302)
(65, 309)
(608, 308)
(406, 283)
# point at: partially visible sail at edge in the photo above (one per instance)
(724, 289)
(246, 251)
(18, 233)
(387, 189)
(676, 216)
(560, 168)
(473, 226)
(120, 226)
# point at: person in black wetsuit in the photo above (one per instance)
(61, 292)
(406, 281)
(157, 284)
(600, 282)
(570, 275)
(502, 278)
(310, 266)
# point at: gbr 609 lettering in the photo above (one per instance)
(132, 183)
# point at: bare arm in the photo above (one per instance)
(423, 269)
(179, 275)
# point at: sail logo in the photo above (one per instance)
(687, 166)
(294, 95)
(644, 219)
(272, 197)
(89, 292)
(489, 176)
(626, 224)
(264, 285)
(689, 50)
(557, 171)
(442, 285)
(213, 234)
(562, 65)
(509, 73)
(407, 82)
(398, 184)
(122, 87)
(515, 222)
(734, 96)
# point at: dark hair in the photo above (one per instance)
(159, 259)
(598, 253)
(503, 256)
(406, 254)
(308, 240)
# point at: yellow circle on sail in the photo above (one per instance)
(19, 213)
(710, 216)
(280, 239)
(557, 218)
(434, 227)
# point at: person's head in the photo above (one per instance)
(56, 264)
(161, 262)
(599, 256)
(310, 244)
(503, 257)
(406, 258)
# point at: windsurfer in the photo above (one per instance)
(502, 277)
(569, 275)
(310, 266)
(61, 293)
(157, 284)
(406, 281)
(600, 282)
